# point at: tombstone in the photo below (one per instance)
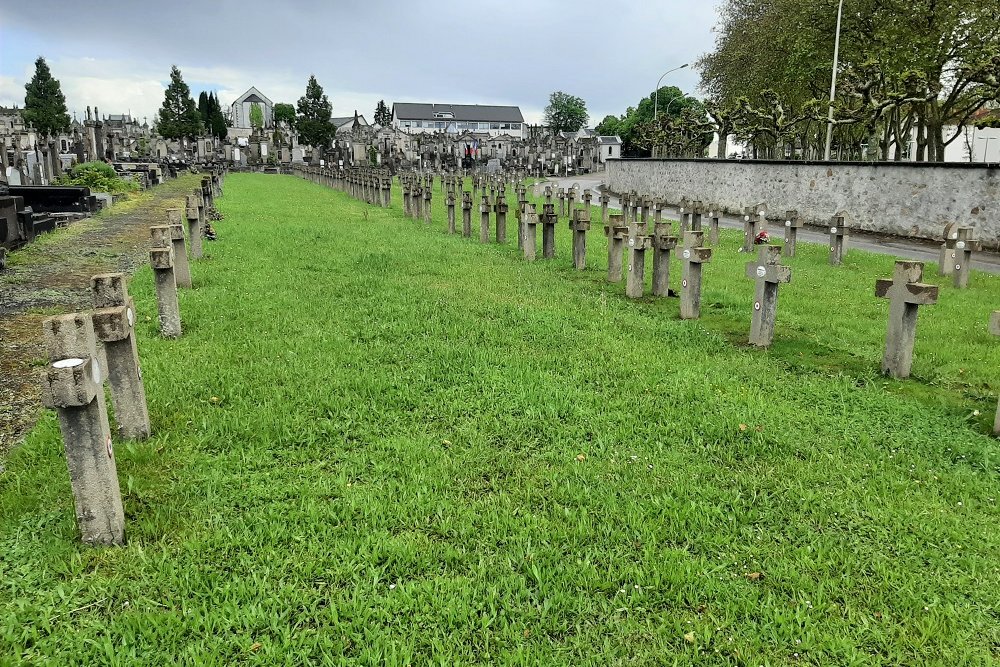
(417, 201)
(484, 219)
(616, 231)
(946, 263)
(995, 330)
(964, 246)
(548, 194)
(182, 269)
(753, 220)
(194, 227)
(692, 257)
(387, 191)
(637, 243)
(588, 197)
(697, 212)
(684, 214)
(905, 293)
(767, 273)
(450, 203)
(793, 223)
(647, 205)
(662, 243)
(838, 239)
(530, 235)
(548, 220)
(161, 259)
(562, 201)
(406, 199)
(466, 214)
(114, 321)
(580, 225)
(501, 214)
(427, 204)
(605, 200)
(72, 386)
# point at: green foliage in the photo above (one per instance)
(372, 156)
(610, 126)
(256, 116)
(383, 116)
(178, 116)
(523, 476)
(99, 177)
(565, 113)
(315, 111)
(44, 102)
(217, 120)
(284, 113)
(204, 109)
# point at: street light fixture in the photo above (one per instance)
(656, 95)
(833, 83)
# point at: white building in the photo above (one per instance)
(456, 119)
(239, 111)
(610, 148)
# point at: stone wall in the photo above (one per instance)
(904, 199)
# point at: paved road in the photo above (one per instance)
(925, 251)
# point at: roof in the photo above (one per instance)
(469, 112)
(609, 140)
(341, 121)
(252, 93)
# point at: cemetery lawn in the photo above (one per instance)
(378, 444)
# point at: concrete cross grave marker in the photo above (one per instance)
(387, 191)
(530, 236)
(450, 202)
(633, 213)
(501, 214)
(406, 198)
(637, 244)
(417, 201)
(114, 322)
(72, 386)
(838, 239)
(182, 268)
(693, 255)
(713, 224)
(484, 219)
(548, 220)
(946, 263)
(427, 204)
(663, 243)
(466, 214)
(767, 274)
(580, 225)
(793, 223)
(964, 246)
(616, 231)
(905, 293)
(562, 201)
(697, 211)
(658, 206)
(684, 214)
(753, 221)
(194, 227)
(587, 199)
(161, 259)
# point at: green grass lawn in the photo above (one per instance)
(378, 444)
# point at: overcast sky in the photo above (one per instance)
(116, 55)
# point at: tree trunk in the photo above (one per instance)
(723, 144)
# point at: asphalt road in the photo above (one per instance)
(914, 249)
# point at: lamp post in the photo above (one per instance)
(656, 95)
(833, 82)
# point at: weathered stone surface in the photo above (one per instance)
(905, 293)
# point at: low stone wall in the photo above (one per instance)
(904, 199)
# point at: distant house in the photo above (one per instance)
(239, 111)
(611, 147)
(346, 123)
(416, 118)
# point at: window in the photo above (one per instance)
(515, 126)
(418, 123)
(463, 126)
(484, 126)
(610, 151)
(494, 126)
(404, 123)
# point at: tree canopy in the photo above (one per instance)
(315, 110)
(178, 117)
(44, 102)
(284, 113)
(383, 116)
(565, 112)
(256, 116)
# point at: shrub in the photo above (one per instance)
(99, 177)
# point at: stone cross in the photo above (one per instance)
(194, 227)
(466, 214)
(626, 209)
(387, 191)
(753, 220)
(417, 201)
(905, 293)
(637, 244)
(964, 246)
(615, 230)
(114, 322)
(658, 207)
(570, 200)
(548, 194)
(530, 221)
(484, 219)
(684, 214)
(995, 330)
(587, 198)
(161, 259)
(767, 273)
(580, 225)
(633, 200)
(697, 211)
(647, 204)
(428, 191)
(450, 203)
(548, 220)
(501, 213)
(713, 224)
(663, 243)
(946, 264)
(406, 198)
(182, 269)
(838, 240)
(693, 256)
(72, 385)
(793, 223)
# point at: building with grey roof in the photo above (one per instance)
(416, 118)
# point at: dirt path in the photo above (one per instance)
(52, 276)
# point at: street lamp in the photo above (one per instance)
(656, 95)
(833, 83)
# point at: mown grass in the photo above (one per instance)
(378, 444)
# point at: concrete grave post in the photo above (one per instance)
(692, 257)
(114, 321)
(697, 211)
(793, 223)
(182, 269)
(633, 200)
(466, 214)
(406, 198)
(767, 273)
(548, 220)
(194, 227)
(623, 200)
(484, 219)
(580, 225)
(417, 201)
(684, 214)
(637, 243)
(548, 194)
(605, 201)
(387, 191)
(964, 247)
(530, 237)
(663, 243)
(427, 204)
(616, 231)
(72, 386)
(161, 259)
(905, 293)
(753, 221)
(946, 263)
(501, 214)
(838, 240)
(713, 224)
(450, 203)
(562, 201)
(588, 197)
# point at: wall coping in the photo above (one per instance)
(985, 166)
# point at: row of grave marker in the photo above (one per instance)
(73, 384)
